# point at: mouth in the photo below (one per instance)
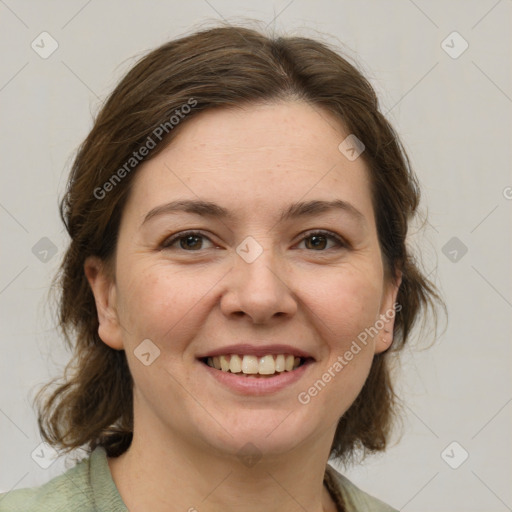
(249, 365)
(256, 370)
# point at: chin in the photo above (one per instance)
(261, 433)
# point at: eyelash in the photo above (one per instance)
(168, 242)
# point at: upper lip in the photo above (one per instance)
(256, 350)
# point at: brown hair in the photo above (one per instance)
(224, 66)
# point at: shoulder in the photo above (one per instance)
(84, 487)
(355, 499)
(71, 489)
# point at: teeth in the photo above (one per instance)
(250, 364)
(253, 365)
(235, 364)
(224, 363)
(267, 365)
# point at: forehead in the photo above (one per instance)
(255, 158)
(281, 132)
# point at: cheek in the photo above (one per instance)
(160, 304)
(348, 305)
(346, 311)
(344, 303)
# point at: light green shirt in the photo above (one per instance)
(89, 487)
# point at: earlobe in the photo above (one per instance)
(104, 291)
(389, 310)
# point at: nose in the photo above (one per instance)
(259, 289)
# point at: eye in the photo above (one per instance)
(188, 241)
(318, 240)
(191, 241)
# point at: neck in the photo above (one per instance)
(162, 473)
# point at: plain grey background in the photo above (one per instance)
(452, 107)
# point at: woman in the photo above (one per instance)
(236, 283)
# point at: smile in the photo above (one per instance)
(248, 364)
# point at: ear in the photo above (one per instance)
(104, 291)
(388, 311)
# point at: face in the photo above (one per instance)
(258, 287)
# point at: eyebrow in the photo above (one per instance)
(294, 210)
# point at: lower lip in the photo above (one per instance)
(249, 385)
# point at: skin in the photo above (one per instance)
(188, 428)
